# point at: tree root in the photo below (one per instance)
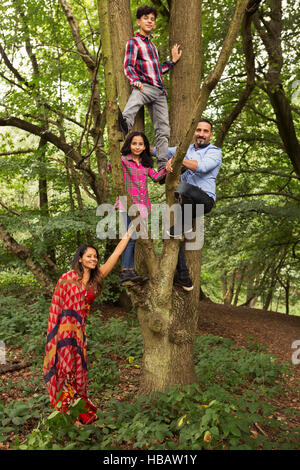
(13, 367)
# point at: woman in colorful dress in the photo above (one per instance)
(65, 363)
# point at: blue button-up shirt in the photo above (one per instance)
(209, 158)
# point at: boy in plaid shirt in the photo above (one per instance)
(144, 72)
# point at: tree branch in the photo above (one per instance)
(28, 46)
(270, 34)
(271, 193)
(47, 259)
(89, 60)
(16, 152)
(25, 255)
(59, 143)
(82, 181)
(163, 10)
(258, 170)
(39, 131)
(250, 70)
(10, 66)
(261, 114)
(208, 85)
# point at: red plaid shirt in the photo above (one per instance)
(136, 183)
(142, 63)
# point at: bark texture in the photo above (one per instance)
(121, 26)
(186, 75)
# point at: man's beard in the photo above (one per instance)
(200, 141)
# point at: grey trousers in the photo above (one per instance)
(156, 101)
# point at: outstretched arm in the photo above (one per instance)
(107, 267)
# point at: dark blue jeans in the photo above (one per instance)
(128, 253)
(193, 195)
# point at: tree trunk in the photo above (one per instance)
(121, 25)
(43, 192)
(167, 314)
(168, 339)
(240, 276)
(287, 296)
(269, 297)
(24, 254)
(187, 72)
(230, 290)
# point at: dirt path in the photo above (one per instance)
(274, 330)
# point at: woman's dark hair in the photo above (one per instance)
(96, 279)
(145, 10)
(146, 157)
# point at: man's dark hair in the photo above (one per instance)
(209, 122)
(146, 10)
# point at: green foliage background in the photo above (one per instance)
(252, 234)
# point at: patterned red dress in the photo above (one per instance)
(65, 363)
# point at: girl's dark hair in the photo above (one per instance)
(146, 157)
(145, 10)
(96, 278)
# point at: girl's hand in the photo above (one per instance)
(130, 230)
(169, 168)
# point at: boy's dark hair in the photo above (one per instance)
(146, 157)
(146, 10)
(208, 121)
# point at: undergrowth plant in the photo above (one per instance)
(226, 409)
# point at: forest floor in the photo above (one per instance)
(255, 329)
(275, 331)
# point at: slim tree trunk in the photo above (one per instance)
(224, 285)
(240, 275)
(269, 296)
(230, 290)
(287, 296)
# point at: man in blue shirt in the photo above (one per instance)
(198, 186)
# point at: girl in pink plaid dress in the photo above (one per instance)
(137, 166)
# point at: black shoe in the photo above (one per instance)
(186, 283)
(183, 169)
(177, 233)
(123, 127)
(178, 197)
(188, 228)
(129, 277)
(174, 233)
